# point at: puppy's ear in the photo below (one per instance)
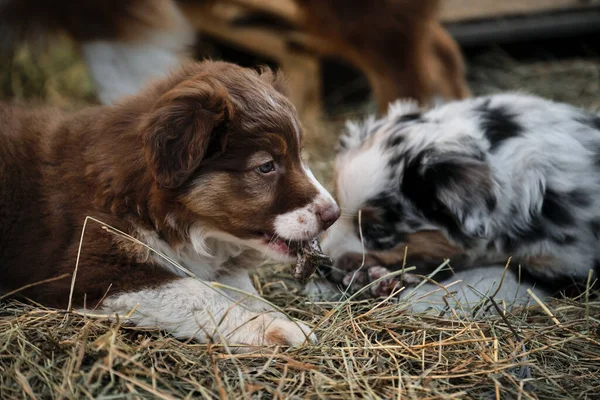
(180, 128)
(453, 189)
(356, 133)
(402, 108)
(399, 112)
(276, 79)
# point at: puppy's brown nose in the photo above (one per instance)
(328, 213)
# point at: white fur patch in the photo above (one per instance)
(402, 107)
(300, 224)
(466, 289)
(323, 195)
(361, 176)
(341, 239)
(196, 257)
(189, 308)
(303, 223)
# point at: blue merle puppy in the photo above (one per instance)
(508, 175)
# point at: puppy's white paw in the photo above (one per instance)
(264, 330)
(386, 285)
(280, 332)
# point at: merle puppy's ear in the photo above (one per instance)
(399, 112)
(183, 123)
(453, 189)
(402, 109)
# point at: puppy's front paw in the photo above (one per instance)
(264, 330)
(281, 332)
(382, 283)
(349, 263)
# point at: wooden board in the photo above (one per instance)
(452, 10)
(285, 9)
(462, 10)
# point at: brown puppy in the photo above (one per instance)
(203, 166)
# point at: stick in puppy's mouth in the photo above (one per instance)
(309, 257)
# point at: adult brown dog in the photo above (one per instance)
(203, 166)
(400, 45)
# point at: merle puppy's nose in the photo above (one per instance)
(328, 213)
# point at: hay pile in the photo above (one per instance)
(367, 349)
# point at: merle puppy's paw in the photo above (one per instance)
(382, 283)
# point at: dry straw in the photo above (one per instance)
(367, 349)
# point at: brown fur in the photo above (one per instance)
(84, 20)
(183, 151)
(425, 250)
(425, 246)
(399, 44)
(276, 337)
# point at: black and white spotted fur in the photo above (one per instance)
(508, 175)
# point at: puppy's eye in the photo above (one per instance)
(266, 167)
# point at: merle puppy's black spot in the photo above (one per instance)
(394, 140)
(491, 202)
(389, 205)
(498, 124)
(593, 121)
(378, 223)
(533, 233)
(381, 236)
(421, 189)
(416, 116)
(556, 208)
(396, 159)
(579, 198)
(595, 227)
(565, 240)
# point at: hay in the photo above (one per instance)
(367, 348)
(575, 81)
